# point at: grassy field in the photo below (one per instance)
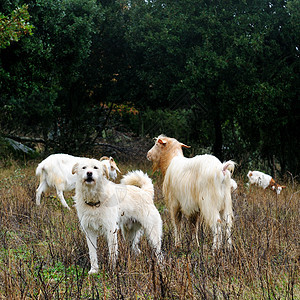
(44, 255)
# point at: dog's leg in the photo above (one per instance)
(112, 242)
(41, 189)
(154, 234)
(156, 245)
(91, 238)
(62, 199)
(134, 238)
(132, 233)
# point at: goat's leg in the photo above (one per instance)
(217, 232)
(194, 222)
(176, 216)
(228, 231)
(197, 230)
(227, 216)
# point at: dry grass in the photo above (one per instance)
(43, 253)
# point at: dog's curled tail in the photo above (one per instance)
(139, 179)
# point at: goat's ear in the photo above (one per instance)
(283, 186)
(184, 146)
(160, 141)
(75, 168)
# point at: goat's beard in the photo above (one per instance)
(155, 167)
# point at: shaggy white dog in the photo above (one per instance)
(104, 207)
(56, 172)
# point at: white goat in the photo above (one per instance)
(200, 185)
(264, 180)
(233, 185)
(56, 172)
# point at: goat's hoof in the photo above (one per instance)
(93, 271)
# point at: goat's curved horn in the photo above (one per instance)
(184, 146)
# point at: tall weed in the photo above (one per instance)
(43, 252)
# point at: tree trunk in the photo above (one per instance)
(217, 147)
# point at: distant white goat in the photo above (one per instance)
(56, 172)
(264, 180)
(200, 185)
(233, 185)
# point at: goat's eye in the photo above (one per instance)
(95, 167)
(84, 167)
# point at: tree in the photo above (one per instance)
(14, 27)
(42, 76)
(235, 61)
(233, 65)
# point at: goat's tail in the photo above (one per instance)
(226, 176)
(228, 165)
(139, 179)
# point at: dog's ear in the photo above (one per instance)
(75, 168)
(105, 171)
(104, 158)
(113, 164)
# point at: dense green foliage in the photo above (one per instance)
(14, 26)
(230, 67)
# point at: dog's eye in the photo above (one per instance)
(83, 168)
(95, 167)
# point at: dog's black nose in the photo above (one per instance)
(89, 174)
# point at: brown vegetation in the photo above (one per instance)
(44, 253)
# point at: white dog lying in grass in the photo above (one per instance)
(56, 172)
(104, 207)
